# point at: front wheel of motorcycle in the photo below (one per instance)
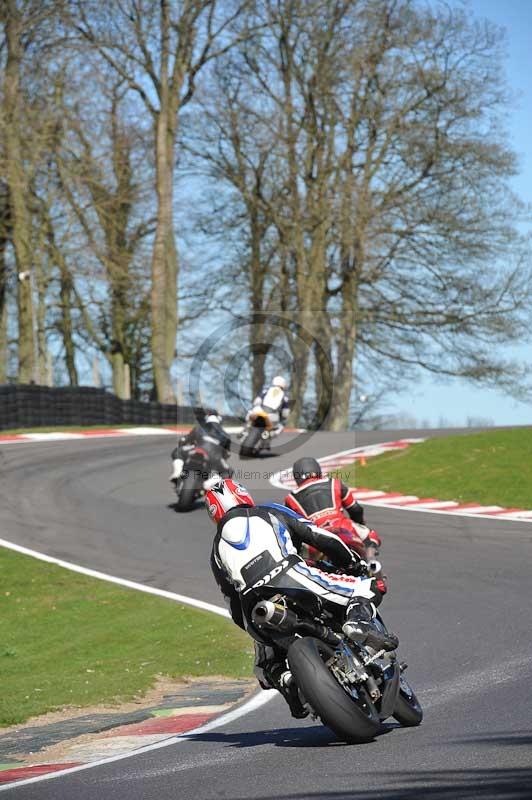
(349, 713)
(407, 709)
(249, 446)
(187, 493)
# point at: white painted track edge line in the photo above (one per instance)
(116, 433)
(253, 703)
(103, 576)
(256, 701)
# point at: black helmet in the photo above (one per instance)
(305, 468)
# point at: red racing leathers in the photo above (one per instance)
(326, 501)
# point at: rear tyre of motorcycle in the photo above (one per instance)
(352, 717)
(187, 494)
(407, 709)
(249, 446)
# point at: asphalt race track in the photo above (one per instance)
(460, 601)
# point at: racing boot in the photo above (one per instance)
(289, 690)
(177, 470)
(280, 678)
(272, 673)
(361, 627)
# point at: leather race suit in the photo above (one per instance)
(251, 542)
(275, 402)
(324, 500)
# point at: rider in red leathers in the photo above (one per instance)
(331, 504)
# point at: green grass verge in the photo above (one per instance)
(491, 468)
(69, 640)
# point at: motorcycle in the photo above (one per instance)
(256, 434)
(350, 687)
(195, 478)
(352, 534)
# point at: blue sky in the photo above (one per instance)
(455, 401)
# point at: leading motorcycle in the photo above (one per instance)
(256, 434)
(349, 686)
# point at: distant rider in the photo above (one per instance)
(250, 542)
(275, 402)
(210, 436)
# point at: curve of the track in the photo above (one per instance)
(460, 600)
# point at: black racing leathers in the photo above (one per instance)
(211, 438)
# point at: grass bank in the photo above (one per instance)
(69, 640)
(491, 468)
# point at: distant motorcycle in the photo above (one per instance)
(196, 476)
(350, 687)
(256, 434)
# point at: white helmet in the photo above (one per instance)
(279, 381)
(213, 416)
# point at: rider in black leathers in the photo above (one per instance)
(211, 437)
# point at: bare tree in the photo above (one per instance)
(159, 50)
(395, 224)
(99, 164)
(15, 25)
(29, 30)
(236, 148)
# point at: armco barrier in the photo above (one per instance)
(29, 406)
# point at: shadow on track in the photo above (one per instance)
(309, 736)
(198, 505)
(262, 456)
(497, 739)
(471, 784)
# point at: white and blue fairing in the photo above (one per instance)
(244, 538)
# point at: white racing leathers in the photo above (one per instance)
(254, 548)
(275, 403)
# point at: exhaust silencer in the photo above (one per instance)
(274, 615)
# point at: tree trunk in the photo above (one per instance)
(66, 302)
(343, 379)
(66, 297)
(118, 349)
(346, 338)
(343, 384)
(40, 269)
(16, 179)
(164, 263)
(4, 225)
(301, 353)
(3, 343)
(259, 345)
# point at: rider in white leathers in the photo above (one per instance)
(274, 400)
(254, 546)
